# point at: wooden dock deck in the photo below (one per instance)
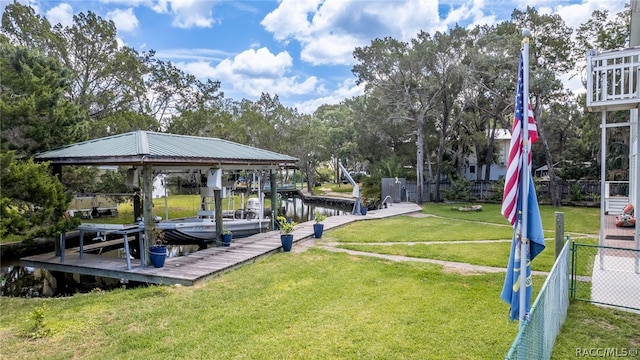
(203, 264)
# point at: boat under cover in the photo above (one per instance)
(204, 230)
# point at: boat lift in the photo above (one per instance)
(357, 206)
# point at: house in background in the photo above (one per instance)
(502, 138)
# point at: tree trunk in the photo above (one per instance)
(554, 185)
(419, 158)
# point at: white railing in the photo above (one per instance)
(613, 79)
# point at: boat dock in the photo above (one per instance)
(203, 264)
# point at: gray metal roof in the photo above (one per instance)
(137, 147)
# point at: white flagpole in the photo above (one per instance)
(526, 173)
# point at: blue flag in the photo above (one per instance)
(511, 289)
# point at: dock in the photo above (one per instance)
(201, 265)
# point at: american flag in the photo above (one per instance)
(514, 164)
(528, 235)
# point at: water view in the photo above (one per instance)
(19, 281)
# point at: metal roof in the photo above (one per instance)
(138, 147)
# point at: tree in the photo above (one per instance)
(601, 33)
(446, 68)
(23, 27)
(308, 143)
(170, 91)
(35, 114)
(399, 73)
(490, 94)
(550, 57)
(35, 204)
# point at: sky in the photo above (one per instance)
(300, 50)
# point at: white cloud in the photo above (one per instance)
(329, 30)
(346, 90)
(60, 14)
(576, 14)
(262, 63)
(192, 13)
(253, 72)
(186, 13)
(125, 20)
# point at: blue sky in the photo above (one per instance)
(300, 50)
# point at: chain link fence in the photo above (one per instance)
(606, 275)
(536, 337)
(602, 275)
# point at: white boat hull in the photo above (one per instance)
(198, 231)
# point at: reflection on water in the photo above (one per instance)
(19, 281)
(300, 211)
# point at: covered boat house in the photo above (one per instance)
(148, 153)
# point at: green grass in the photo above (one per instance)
(479, 253)
(311, 305)
(321, 305)
(180, 206)
(589, 327)
(577, 220)
(420, 229)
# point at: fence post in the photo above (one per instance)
(559, 232)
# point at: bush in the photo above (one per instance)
(35, 204)
(460, 190)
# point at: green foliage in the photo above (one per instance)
(113, 182)
(390, 167)
(324, 174)
(319, 217)
(498, 189)
(36, 116)
(460, 190)
(39, 326)
(575, 194)
(156, 235)
(285, 226)
(371, 187)
(35, 204)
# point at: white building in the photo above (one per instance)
(159, 186)
(502, 138)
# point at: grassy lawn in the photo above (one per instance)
(180, 206)
(455, 226)
(577, 220)
(323, 305)
(590, 326)
(421, 229)
(310, 305)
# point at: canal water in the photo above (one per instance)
(19, 281)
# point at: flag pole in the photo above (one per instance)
(525, 176)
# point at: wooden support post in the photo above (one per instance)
(217, 203)
(274, 198)
(559, 232)
(58, 244)
(147, 205)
